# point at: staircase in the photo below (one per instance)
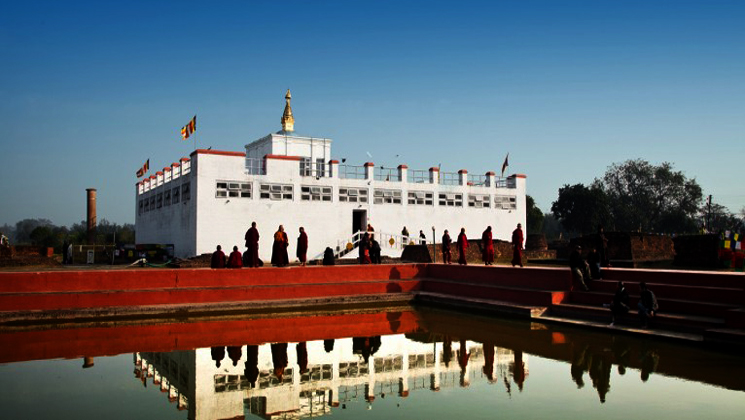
(391, 245)
(702, 303)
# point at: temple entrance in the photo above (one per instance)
(359, 220)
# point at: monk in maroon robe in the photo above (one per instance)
(302, 247)
(236, 259)
(279, 359)
(517, 246)
(462, 246)
(488, 244)
(252, 243)
(279, 249)
(218, 258)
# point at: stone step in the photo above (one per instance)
(735, 318)
(521, 296)
(527, 277)
(668, 321)
(726, 336)
(472, 304)
(725, 295)
(692, 307)
(196, 295)
(135, 279)
(677, 277)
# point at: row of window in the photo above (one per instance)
(225, 189)
(166, 198)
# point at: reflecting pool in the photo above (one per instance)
(396, 363)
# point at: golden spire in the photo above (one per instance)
(288, 122)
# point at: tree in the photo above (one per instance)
(581, 209)
(650, 198)
(533, 215)
(26, 226)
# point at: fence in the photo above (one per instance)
(387, 174)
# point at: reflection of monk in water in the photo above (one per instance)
(649, 361)
(600, 373)
(394, 320)
(579, 363)
(447, 350)
(463, 356)
(621, 354)
(279, 359)
(518, 370)
(328, 345)
(218, 353)
(366, 346)
(234, 353)
(489, 361)
(302, 356)
(252, 365)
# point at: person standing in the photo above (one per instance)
(593, 259)
(647, 304)
(446, 241)
(374, 251)
(488, 246)
(279, 248)
(364, 247)
(517, 246)
(252, 245)
(302, 247)
(218, 258)
(620, 304)
(405, 234)
(236, 259)
(422, 238)
(462, 246)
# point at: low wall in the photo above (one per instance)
(627, 246)
(697, 250)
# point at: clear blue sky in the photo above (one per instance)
(90, 90)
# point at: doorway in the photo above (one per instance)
(359, 220)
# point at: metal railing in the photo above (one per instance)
(449, 178)
(387, 174)
(506, 182)
(351, 172)
(478, 180)
(255, 166)
(417, 176)
(386, 240)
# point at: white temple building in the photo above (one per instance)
(293, 180)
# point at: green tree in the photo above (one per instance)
(26, 226)
(581, 209)
(533, 215)
(650, 198)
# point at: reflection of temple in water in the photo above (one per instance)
(298, 380)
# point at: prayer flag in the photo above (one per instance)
(188, 129)
(738, 245)
(726, 244)
(505, 164)
(144, 169)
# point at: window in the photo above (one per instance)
(505, 202)
(160, 200)
(422, 198)
(175, 195)
(276, 192)
(185, 192)
(313, 193)
(305, 166)
(450, 199)
(152, 202)
(142, 206)
(353, 195)
(381, 196)
(320, 167)
(479, 201)
(167, 197)
(147, 204)
(224, 189)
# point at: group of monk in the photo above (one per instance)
(250, 258)
(487, 252)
